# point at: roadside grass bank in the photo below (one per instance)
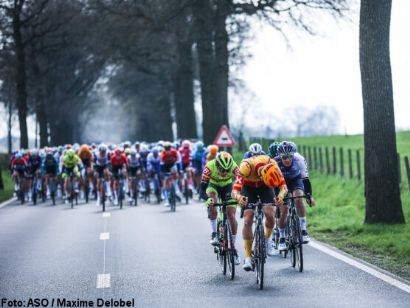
(7, 192)
(338, 219)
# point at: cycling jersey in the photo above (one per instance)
(197, 160)
(50, 165)
(19, 165)
(298, 167)
(134, 162)
(102, 161)
(248, 175)
(86, 156)
(143, 157)
(119, 162)
(169, 158)
(250, 154)
(34, 163)
(70, 163)
(185, 155)
(212, 175)
(153, 163)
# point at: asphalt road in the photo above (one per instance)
(161, 259)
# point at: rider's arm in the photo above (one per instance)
(204, 183)
(308, 186)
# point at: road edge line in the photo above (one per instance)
(7, 202)
(371, 269)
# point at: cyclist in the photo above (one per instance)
(134, 170)
(210, 154)
(254, 149)
(102, 161)
(249, 187)
(186, 157)
(294, 169)
(197, 163)
(19, 169)
(119, 165)
(86, 157)
(154, 168)
(273, 149)
(217, 179)
(34, 169)
(71, 165)
(169, 164)
(50, 168)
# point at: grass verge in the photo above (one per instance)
(338, 220)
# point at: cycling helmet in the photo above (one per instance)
(133, 152)
(102, 147)
(199, 145)
(76, 147)
(213, 149)
(34, 152)
(70, 153)
(286, 148)
(186, 144)
(18, 156)
(224, 161)
(84, 148)
(118, 152)
(255, 149)
(49, 150)
(271, 175)
(167, 145)
(126, 144)
(273, 149)
(23, 152)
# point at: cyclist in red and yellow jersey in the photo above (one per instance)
(248, 188)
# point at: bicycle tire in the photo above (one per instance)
(298, 246)
(121, 194)
(86, 190)
(261, 258)
(230, 251)
(291, 240)
(186, 192)
(221, 249)
(172, 198)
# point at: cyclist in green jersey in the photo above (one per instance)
(216, 182)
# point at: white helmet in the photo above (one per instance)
(255, 148)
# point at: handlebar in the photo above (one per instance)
(226, 203)
(307, 197)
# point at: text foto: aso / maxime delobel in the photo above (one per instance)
(63, 302)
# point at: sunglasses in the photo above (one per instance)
(284, 157)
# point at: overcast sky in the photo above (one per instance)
(324, 69)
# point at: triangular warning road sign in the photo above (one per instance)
(224, 138)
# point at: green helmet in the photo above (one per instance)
(273, 149)
(224, 160)
(70, 153)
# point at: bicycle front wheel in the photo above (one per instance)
(222, 248)
(230, 252)
(298, 245)
(260, 255)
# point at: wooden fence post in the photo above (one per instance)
(406, 162)
(320, 160)
(334, 161)
(359, 176)
(350, 163)
(309, 157)
(342, 168)
(315, 158)
(327, 160)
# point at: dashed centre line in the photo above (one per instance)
(103, 281)
(104, 236)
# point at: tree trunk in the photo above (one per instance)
(21, 92)
(204, 38)
(222, 58)
(184, 93)
(383, 204)
(9, 124)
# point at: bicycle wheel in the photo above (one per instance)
(120, 195)
(230, 251)
(298, 244)
(221, 248)
(186, 192)
(291, 240)
(135, 191)
(86, 189)
(172, 198)
(260, 256)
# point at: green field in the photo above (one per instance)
(339, 215)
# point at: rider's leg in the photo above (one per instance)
(269, 220)
(231, 211)
(300, 208)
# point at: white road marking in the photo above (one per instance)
(7, 202)
(103, 281)
(386, 278)
(104, 236)
(106, 215)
